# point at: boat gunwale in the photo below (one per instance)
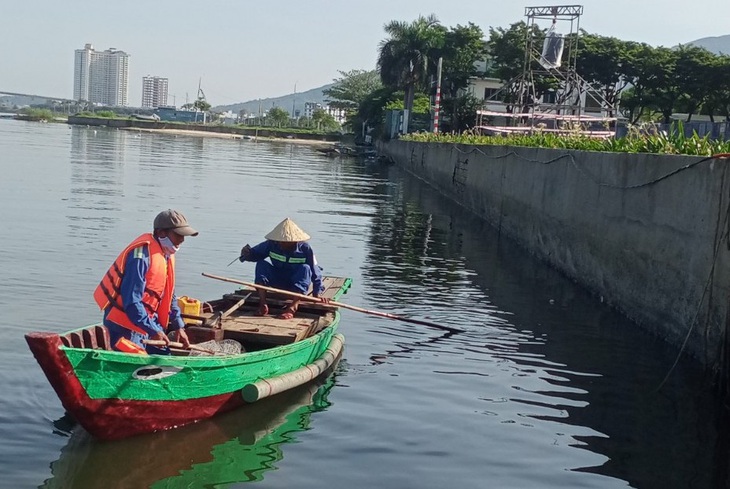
(202, 360)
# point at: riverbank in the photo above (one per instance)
(287, 134)
(226, 135)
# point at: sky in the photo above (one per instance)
(241, 50)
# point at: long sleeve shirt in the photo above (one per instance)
(284, 261)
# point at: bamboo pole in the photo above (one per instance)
(178, 345)
(336, 304)
(273, 385)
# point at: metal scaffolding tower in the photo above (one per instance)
(550, 94)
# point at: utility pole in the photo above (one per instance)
(437, 101)
(293, 104)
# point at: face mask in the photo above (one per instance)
(167, 245)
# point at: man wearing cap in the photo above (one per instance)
(137, 294)
(293, 265)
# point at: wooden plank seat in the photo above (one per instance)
(242, 324)
(332, 285)
(269, 329)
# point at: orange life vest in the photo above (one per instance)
(159, 285)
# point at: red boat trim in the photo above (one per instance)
(111, 419)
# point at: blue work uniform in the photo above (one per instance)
(132, 289)
(294, 270)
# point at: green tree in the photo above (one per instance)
(718, 82)
(642, 72)
(694, 68)
(602, 62)
(202, 105)
(371, 114)
(351, 88)
(403, 59)
(463, 110)
(507, 49)
(324, 121)
(463, 47)
(278, 116)
(664, 90)
(421, 104)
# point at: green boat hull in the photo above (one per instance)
(116, 395)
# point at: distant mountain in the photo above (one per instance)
(717, 45)
(292, 101)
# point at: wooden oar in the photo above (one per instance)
(336, 304)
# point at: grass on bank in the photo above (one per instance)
(215, 126)
(32, 114)
(640, 139)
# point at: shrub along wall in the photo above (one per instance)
(648, 233)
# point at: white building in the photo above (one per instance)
(154, 91)
(338, 114)
(484, 89)
(82, 63)
(101, 77)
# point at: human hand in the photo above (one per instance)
(182, 336)
(162, 337)
(324, 300)
(245, 253)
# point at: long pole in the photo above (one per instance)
(178, 345)
(437, 103)
(336, 304)
(294, 101)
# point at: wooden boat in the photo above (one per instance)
(115, 395)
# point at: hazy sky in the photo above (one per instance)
(244, 50)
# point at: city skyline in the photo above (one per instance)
(240, 52)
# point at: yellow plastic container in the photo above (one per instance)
(190, 306)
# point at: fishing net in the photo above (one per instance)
(218, 348)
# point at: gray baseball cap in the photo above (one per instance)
(174, 221)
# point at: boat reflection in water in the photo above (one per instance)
(238, 446)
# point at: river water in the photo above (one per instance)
(546, 386)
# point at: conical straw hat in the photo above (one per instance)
(287, 231)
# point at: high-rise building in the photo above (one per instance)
(154, 91)
(82, 63)
(101, 77)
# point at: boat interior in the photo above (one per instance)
(234, 317)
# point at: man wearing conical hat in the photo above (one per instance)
(292, 266)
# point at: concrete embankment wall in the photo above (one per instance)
(217, 128)
(646, 233)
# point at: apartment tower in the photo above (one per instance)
(101, 77)
(154, 91)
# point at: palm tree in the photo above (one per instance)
(403, 60)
